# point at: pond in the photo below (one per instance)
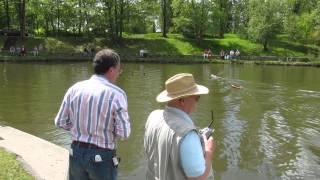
(267, 129)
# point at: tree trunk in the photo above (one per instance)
(265, 45)
(110, 18)
(80, 17)
(6, 9)
(164, 18)
(46, 27)
(52, 26)
(116, 20)
(22, 9)
(127, 19)
(221, 20)
(225, 7)
(203, 21)
(86, 19)
(221, 30)
(37, 26)
(122, 4)
(58, 16)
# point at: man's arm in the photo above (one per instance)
(62, 120)
(194, 163)
(122, 120)
(209, 145)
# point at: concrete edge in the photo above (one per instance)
(40, 158)
(27, 167)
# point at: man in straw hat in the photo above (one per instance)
(172, 144)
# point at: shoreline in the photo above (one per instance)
(167, 59)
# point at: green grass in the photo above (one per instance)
(175, 44)
(2, 41)
(61, 44)
(155, 43)
(11, 168)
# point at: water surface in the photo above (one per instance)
(268, 129)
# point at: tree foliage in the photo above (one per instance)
(191, 17)
(258, 20)
(265, 20)
(302, 19)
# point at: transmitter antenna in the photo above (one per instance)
(211, 119)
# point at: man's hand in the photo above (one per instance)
(209, 145)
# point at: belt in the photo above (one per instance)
(90, 146)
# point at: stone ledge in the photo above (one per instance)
(44, 160)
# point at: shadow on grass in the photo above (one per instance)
(175, 45)
(293, 47)
(2, 41)
(217, 46)
(202, 45)
(154, 46)
(76, 40)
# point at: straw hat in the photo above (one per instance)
(181, 85)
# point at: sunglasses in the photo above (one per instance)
(197, 98)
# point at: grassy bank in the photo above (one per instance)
(174, 45)
(11, 167)
(2, 41)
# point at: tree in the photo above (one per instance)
(265, 20)
(301, 19)
(223, 11)
(166, 12)
(191, 17)
(6, 10)
(22, 18)
(141, 16)
(315, 32)
(240, 16)
(113, 10)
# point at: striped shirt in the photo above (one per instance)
(95, 111)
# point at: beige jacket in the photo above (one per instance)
(163, 133)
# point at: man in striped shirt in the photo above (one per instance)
(95, 111)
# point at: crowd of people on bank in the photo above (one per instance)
(22, 51)
(228, 54)
(87, 52)
(207, 54)
(232, 54)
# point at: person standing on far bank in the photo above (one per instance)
(95, 111)
(173, 147)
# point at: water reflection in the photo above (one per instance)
(268, 129)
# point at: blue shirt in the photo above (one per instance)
(191, 153)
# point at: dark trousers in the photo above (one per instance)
(91, 163)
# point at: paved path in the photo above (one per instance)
(42, 158)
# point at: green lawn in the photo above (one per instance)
(175, 44)
(11, 169)
(2, 41)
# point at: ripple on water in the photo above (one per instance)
(308, 93)
(305, 165)
(267, 142)
(233, 128)
(295, 156)
(59, 136)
